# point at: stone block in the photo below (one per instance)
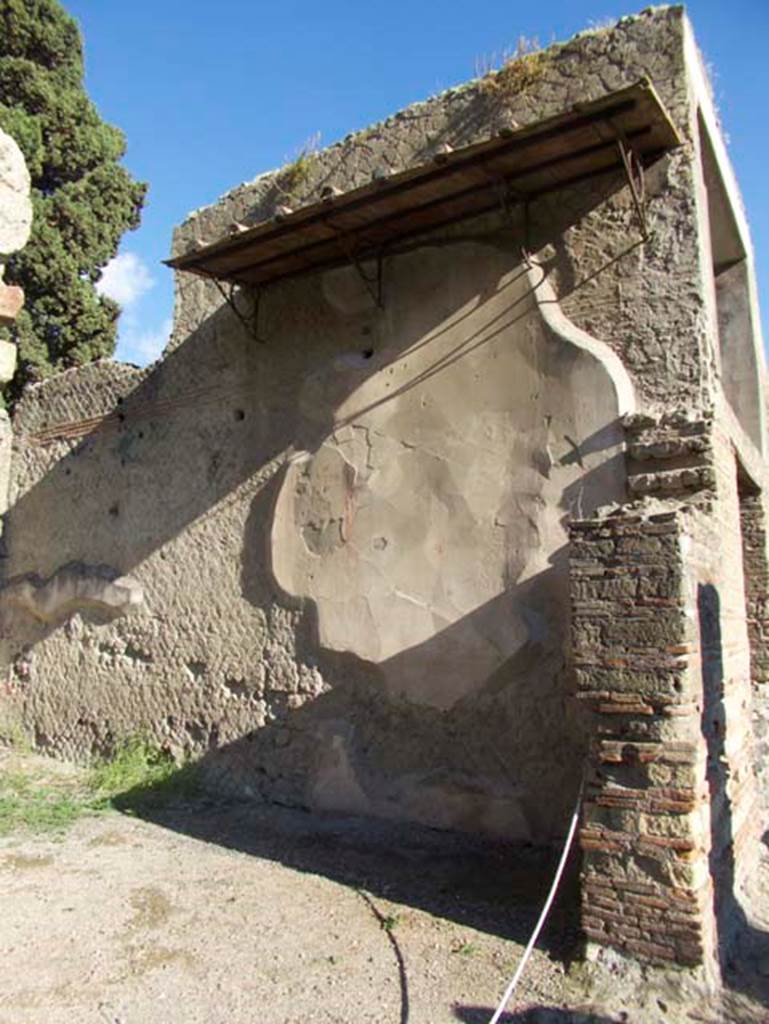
(8, 354)
(11, 302)
(15, 203)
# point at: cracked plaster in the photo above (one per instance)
(445, 477)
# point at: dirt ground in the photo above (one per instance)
(234, 913)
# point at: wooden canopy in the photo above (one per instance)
(586, 140)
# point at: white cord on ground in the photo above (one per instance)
(545, 910)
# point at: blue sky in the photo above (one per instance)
(211, 94)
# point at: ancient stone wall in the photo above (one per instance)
(326, 536)
(345, 528)
(611, 285)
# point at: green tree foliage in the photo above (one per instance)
(84, 200)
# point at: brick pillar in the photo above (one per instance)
(646, 887)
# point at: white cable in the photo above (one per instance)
(545, 910)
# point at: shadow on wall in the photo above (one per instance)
(478, 764)
(740, 946)
(232, 401)
(195, 455)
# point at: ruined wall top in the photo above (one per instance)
(539, 85)
(655, 303)
(649, 306)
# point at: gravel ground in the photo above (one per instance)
(233, 913)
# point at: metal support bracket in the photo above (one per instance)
(634, 173)
(373, 285)
(250, 321)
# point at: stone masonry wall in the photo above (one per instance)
(436, 525)
(175, 474)
(645, 881)
(661, 648)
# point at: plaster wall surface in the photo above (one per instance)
(425, 523)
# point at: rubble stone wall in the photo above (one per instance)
(328, 612)
(353, 600)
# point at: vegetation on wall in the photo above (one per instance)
(517, 71)
(83, 199)
(296, 175)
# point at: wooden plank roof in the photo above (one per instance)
(528, 162)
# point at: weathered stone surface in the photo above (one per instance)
(442, 479)
(72, 589)
(15, 203)
(11, 302)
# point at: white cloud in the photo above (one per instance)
(125, 279)
(142, 346)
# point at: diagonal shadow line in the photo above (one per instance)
(387, 929)
(481, 336)
(462, 349)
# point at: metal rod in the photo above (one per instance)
(373, 286)
(631, 162)
(250, 324)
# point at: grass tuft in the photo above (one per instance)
(30, 805)
(518, 72)
(296, 175)
(136, 763)
(137, 777)
(465, 949)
